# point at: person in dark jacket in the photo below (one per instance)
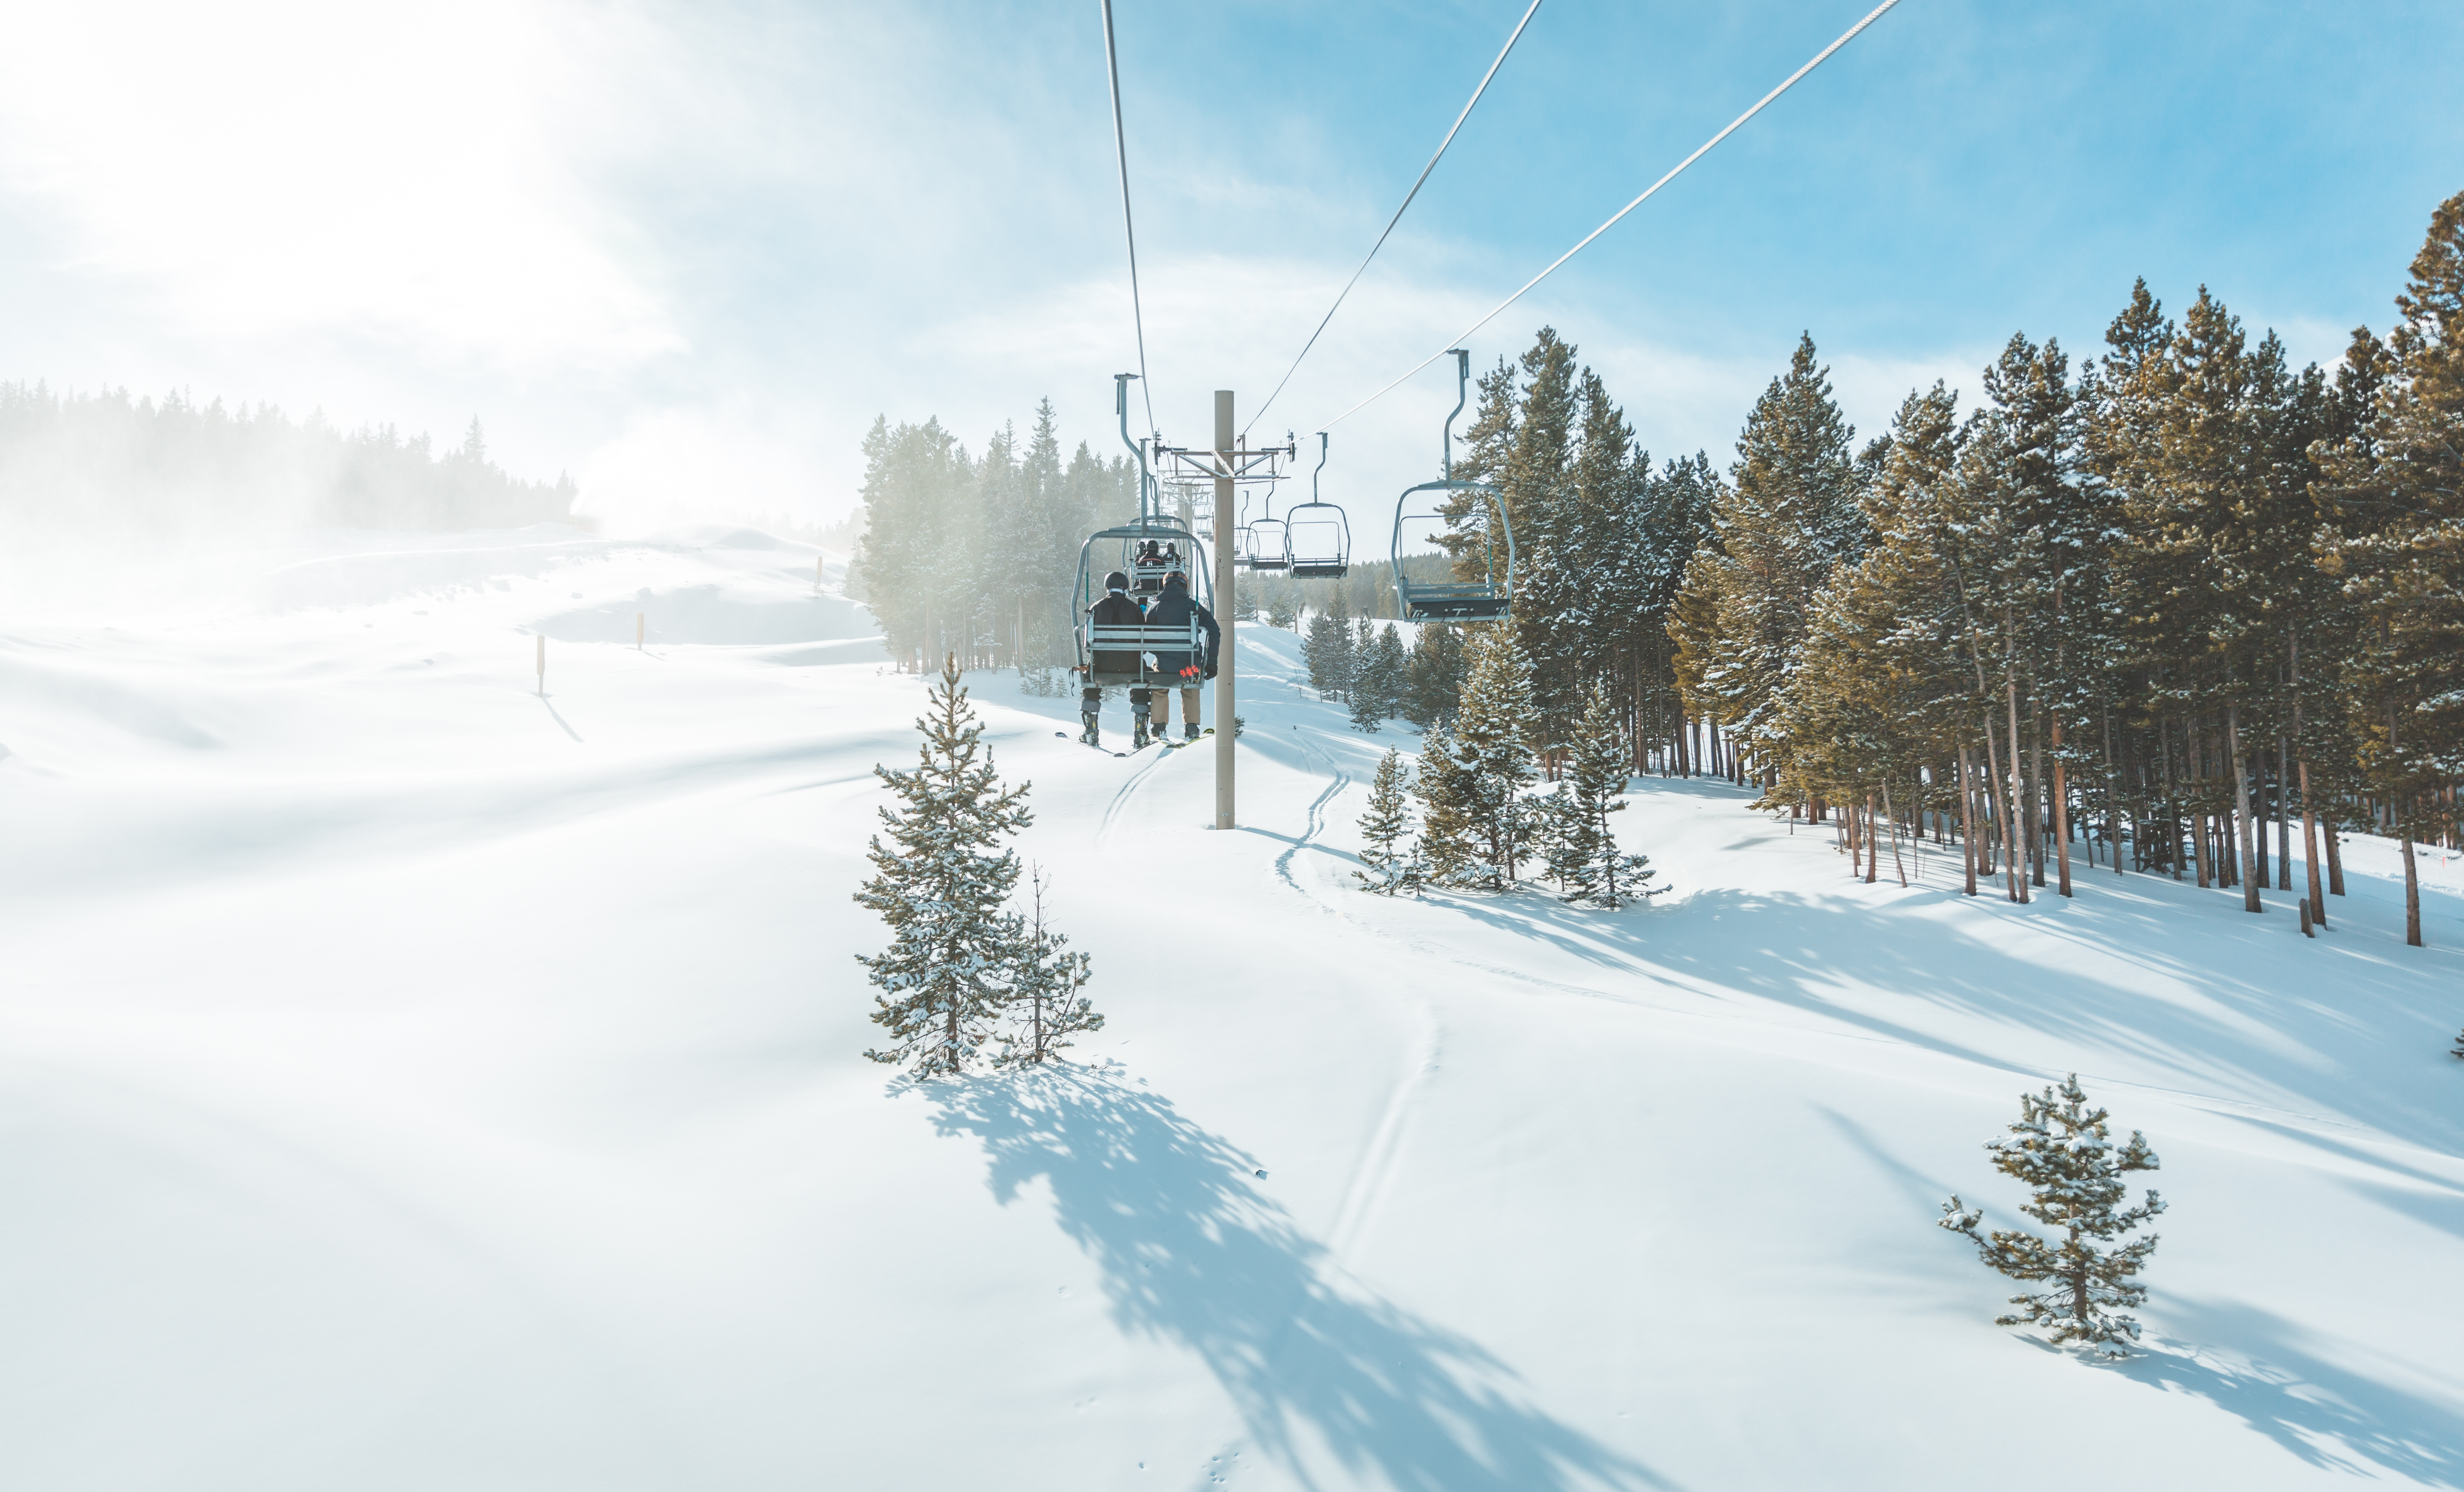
(1115, 609)
(1174, 608)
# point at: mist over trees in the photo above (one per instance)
(105, 465)
(977, 556)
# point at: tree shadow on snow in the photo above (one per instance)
(2255, 1004)
(1195, 1255)
(2323, 1414)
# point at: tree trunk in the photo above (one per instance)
(1896, 864)
(2283, 816)
(2412, 892)
(2112, 799)
(2250, 881)
(2014, 848)
(1992, 782)
(1873, 850)
(1966, 823)
(2310, 848)
(2062, 816)
(2335, 863)
(2037, 817)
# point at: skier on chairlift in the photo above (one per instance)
(1115, 609)
(1174, 608)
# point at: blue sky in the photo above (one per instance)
(689, 252)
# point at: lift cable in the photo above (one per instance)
(1399, 212)
(1121, 150)
(1699, 152)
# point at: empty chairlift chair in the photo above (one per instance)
(1318, 532)
(1488, 593)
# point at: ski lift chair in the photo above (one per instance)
(1274, 546)
(1485, 599)
(1318, 532)
(1321, 540)
(1138, 656)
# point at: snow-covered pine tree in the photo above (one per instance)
(1435, 689)
(1045, 1007)
(954, 955)
(1325, 650)
(1492, 742)
(1388, 863)
(2065, 1155)
(1554, 827)
(1447, 854)
(1595, 869)
(1380, 676)
(1389, 669)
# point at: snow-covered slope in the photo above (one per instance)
(411, 1082)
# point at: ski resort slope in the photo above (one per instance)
(411, 1081)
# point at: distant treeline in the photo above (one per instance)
(978, 555)
(106, 463)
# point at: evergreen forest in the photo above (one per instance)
(108, 465)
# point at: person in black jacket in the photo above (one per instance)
(1115, 609)
(1174, 608)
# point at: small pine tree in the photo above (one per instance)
(2065, 1155)
(1385, 828)
(1325, 649)
(1492, 738)
(2459, 1047)
(1283, 610)
(1434, 689)
(1365, 715)
(1045, 1005)
(939, 882)
(1384, 673)
(1596, 870)
(1556, 827)
(1448, 856)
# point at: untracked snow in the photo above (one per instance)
(411, 1081)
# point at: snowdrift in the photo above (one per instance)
(411, 1078)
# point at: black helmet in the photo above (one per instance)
(1175, 577)
(1116, 581)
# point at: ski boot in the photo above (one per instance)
(1093, 734)
(1189, 731)
(1138, 734)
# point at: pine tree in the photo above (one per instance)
(2065, 1154)
(1283, 608)
(1438, 671)
(1448, 856)
(1492, 742)
(1045, 1006)
(1557, 833)
(1327, 648)
(1592, 868)
(1381, 679)
(1390, 866)
(953, 958)
(1791, 516)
